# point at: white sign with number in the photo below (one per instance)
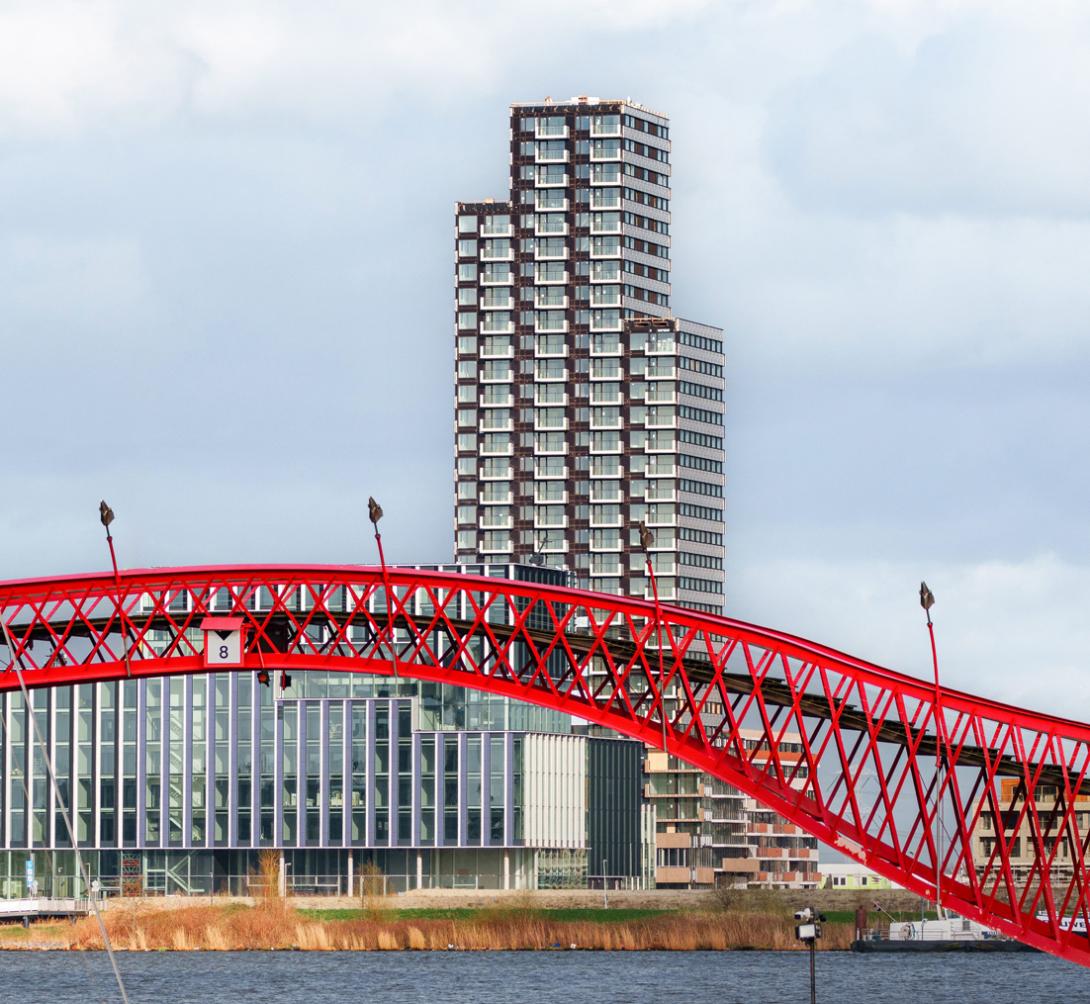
(223, 648)
(222, 641)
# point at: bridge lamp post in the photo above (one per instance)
(647, 540)
(374, 514)
(106, 517)
(927, 601)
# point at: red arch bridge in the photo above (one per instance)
(1001, 828)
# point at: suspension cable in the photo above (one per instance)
(25, 783)
(16, 664)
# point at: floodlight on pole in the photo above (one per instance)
(374, 514)
(647, 541)
(927, 601)
(808, 930)
(106, 517)
(538, 557)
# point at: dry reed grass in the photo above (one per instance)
(272, 924)
(373, 896)
(268, 873)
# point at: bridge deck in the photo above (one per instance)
(775, 693)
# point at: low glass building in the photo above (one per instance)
(177, 784)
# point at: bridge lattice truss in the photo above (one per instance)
(863, 778)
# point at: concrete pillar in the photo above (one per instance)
(351, 873)
(506, 869)
(419, 869)
(283, 883)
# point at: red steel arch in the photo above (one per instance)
(863, 778)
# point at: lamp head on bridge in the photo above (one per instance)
(647, 538)
(927, 598)
(105, 514)
(374, 511)
(263, 677)
(537, 558)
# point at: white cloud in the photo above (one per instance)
(982, 115)
(924, 204)
(69, 66)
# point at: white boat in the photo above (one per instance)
(943, 929)
(1075, 924)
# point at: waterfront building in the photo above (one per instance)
(1016, 826)
(583, 403)
(710, 834)
(177, 784)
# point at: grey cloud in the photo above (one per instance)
(1011, 630)
(227, 308)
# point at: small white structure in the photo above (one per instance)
(944, 929)
(33, 907)
(851, 875)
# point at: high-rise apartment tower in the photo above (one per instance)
(583, 404)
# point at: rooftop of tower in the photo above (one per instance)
(583, 100)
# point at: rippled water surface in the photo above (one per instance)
(529, 977)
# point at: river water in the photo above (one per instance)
(531, 977)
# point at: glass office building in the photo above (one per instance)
(177, 784)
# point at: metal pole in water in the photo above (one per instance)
(813, 971)
(808, 930)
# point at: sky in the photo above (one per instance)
(226, 246)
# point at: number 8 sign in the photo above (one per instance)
(222, 641)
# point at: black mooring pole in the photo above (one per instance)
(813, 972)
